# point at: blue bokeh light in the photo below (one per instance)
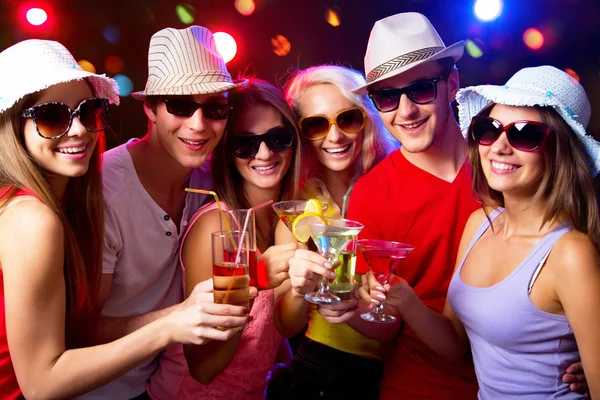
(125, 85)
(112, 34)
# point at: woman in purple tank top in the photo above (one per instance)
(526, 292)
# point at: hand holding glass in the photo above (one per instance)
(331, 238)
(383, 257)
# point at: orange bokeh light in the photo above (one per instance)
(573, 74)
(113, 64)
(281, 45)
(533, 39)
(245, 7)
(332, 17)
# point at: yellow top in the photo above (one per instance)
(341, 337)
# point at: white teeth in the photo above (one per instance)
(71, 150)
(504, 167)
(193, 143)
(415, 125)
(264, 168)
(337, 150)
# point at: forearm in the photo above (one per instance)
(381, 332)
(79, 371)
(105, 329)
(433, 329)
(291, 313)
(206, 362)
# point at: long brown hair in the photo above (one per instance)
(227, 179)
(82, 212)
(566, 188)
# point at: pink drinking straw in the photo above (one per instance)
(250, 211)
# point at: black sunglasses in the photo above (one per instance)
(521, 135)
(53, 120)
(247, 144)
(423, 91)
(187, 108)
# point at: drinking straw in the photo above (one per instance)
(346, 196)
(213, 194)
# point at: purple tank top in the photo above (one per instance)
(519, 351)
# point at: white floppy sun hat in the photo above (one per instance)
(544, 86)
(34, 65)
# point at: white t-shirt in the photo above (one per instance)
(141, 251)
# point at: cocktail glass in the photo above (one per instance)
(235, 220)
(383, 257)
(331, 238)
(287, 211)
(231, 277)
(343, 284)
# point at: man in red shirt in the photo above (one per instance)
(420, 194)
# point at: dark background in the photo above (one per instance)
(571, 30)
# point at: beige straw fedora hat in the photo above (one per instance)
(401, 42)
(185, 62)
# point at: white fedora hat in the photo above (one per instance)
(185, 62)
(34, 65)
(544, 86)
(401, 42)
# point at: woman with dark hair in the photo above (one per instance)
(257, 160)
(526, 291)
(52, 118)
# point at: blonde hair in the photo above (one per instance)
(227, 179)
(377, 141)
(82, 211)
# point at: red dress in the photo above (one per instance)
(9, 387)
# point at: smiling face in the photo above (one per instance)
(68, 156)
(188, 140)
(267, 168)
(337, 151)
(506, 169)
(420, 126)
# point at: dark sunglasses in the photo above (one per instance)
(247, 144)
(423, 91)
(521, 135)
(187, 108)
(53, 120)
(349, 121)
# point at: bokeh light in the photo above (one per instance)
(245, 7)
(473, 49)
(185, 13)
(573, 74)
(281, 45)
(113, 64)
(487, 10)
(112, 34)
(125, 85)
(533, 39)
(226, 45)
(36, 16)
(332, 17)
(87, 66)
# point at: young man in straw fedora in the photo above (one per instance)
(420, 194)
(147, 208)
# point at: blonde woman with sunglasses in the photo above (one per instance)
(345, 138)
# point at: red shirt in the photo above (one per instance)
(400, 202)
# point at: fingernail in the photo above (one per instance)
(327, 265)
(380, 288)
(380, 296)
(332, 275)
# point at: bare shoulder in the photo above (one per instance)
(210, 220)
(476, 219)
(30, 218)
(575, 252)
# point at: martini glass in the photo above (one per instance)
(287, 211)
(331, 238)
(383, 257)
